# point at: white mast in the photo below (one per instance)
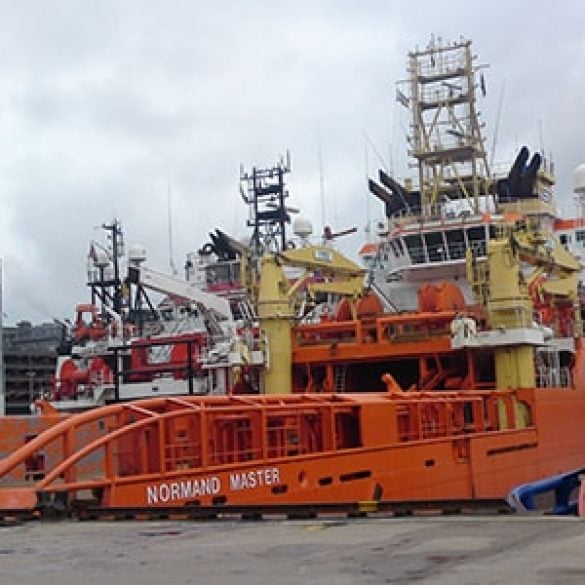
(170, 227)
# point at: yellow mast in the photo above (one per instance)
(275, 316)
(509, 307)
(502, 285)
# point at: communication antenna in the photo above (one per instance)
(321, 181)
(367, 176)
(372, 146)
(170, 228)
(497, 124)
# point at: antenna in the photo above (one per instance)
(321, 181)
(170, 227)
(380, 158)
(497, 125)
(367, 176)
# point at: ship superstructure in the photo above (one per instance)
(456, 201)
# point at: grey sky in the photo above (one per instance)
(103, 102)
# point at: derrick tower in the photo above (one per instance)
(446, 138)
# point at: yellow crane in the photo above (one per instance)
(324, 270)
(503, 284)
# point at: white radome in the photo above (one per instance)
(579, 179)
(302, 227)
(137, 254)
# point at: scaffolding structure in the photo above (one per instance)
(446, 138)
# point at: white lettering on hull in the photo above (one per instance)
(182, 490)
(254, 479)
(164, 493)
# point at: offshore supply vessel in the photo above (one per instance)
(477, 387)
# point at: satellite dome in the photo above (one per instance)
(302, 227)
(137, 254)
(579, 179)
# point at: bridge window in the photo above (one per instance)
(476, 239)
(415, 248)
(218, 274)
(435, 246)
(401, 247)
(455, 244)
(394, 248)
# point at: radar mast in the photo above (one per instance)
(446, 138)
(264, 191)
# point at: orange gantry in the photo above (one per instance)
(415, 348)
(296, 449)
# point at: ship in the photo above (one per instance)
(124, 344)
(478, 388)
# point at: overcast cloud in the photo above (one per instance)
(104, 103)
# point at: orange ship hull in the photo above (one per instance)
(301, 449)
(477, 466)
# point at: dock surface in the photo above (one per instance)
(438, 550)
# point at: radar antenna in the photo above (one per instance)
(264, 191)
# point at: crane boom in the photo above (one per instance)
(170, 285)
